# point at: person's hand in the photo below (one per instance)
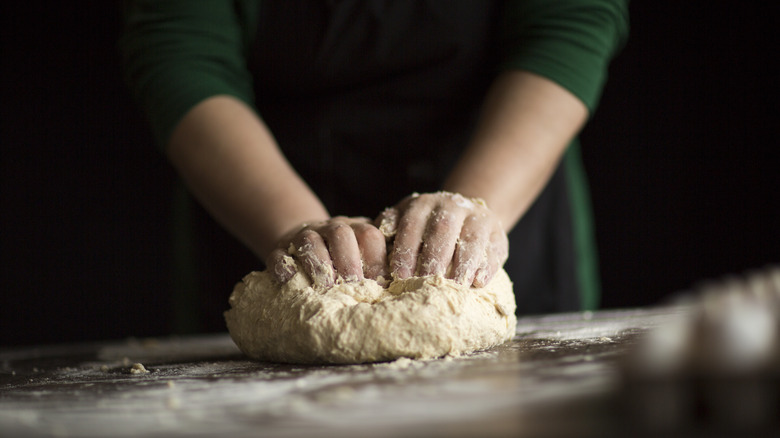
(444, 234)
(349, 249)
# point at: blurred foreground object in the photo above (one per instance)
(716, 367)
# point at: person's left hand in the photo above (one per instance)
(444, 234)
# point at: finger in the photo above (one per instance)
(313, 256)
(438, 246)
(498, 250)
(282, 265)
(471, 251)
(373, 250)
(344, 250)
(484, 274)
(411, 227)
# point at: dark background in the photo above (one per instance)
(682, 156)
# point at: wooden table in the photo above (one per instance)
(552, 379)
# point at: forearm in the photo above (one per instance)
(526, 124)
(232, 165)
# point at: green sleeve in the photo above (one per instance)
(568, 41)
(177, 53)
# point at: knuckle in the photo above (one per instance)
(308, 236)
(367, 233)
(468, 236)
(337, 227)
(443, 219)
(410, 218)
(426, 197)
(337, 230)
(422, 200)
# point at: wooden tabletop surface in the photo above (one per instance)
(551, 379)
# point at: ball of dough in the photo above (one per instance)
(357, 322)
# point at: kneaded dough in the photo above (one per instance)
(356, 322)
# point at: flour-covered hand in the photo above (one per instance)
(444, 234)
(338, 249)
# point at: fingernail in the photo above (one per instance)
(482, 278)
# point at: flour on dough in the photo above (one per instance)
(356, 322)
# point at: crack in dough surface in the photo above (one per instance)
(357, 322)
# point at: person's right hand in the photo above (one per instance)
(345, 248)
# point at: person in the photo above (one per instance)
(296, 123)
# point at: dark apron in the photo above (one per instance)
(373, 100)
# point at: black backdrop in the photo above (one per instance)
(682, 158)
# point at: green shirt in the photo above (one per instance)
(179, 52)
